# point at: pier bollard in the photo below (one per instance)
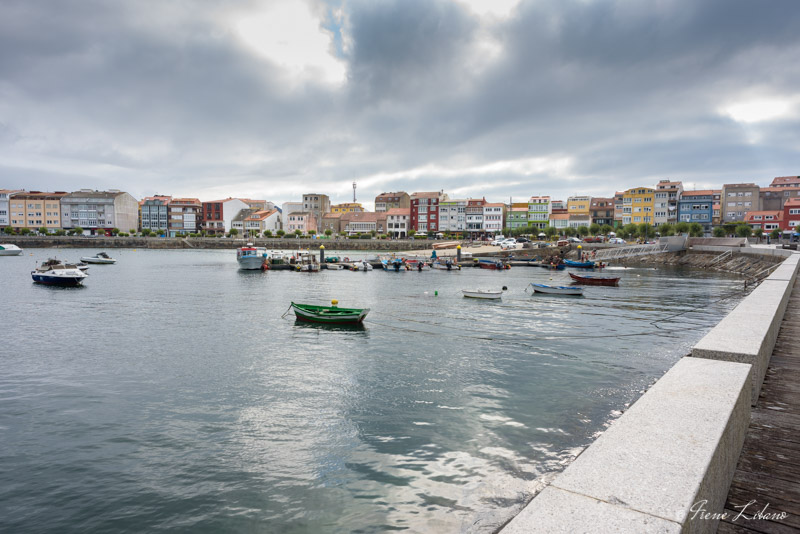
(321, 255)
(458, 253)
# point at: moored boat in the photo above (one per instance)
(490, 294)
(251, 258)
(556, 290)
(100, 258)
(10, 250)
(493, 264)
(56, 273)
(396, 265)
(553, 265)
(595, 280)
(418, 265)
(362, 265)
(584, 264)
(307, 264)
(446, 265)
(329, 314)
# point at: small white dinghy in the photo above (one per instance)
(483, 293)
(557, 290)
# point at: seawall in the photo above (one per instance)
(667, 463)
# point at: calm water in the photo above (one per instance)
(169, 393)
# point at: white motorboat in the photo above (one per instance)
(251, 258)
(362, 265)
(557, 290)
(446, 265)
(99, 258)
(307, 264)
(10, 250)
(334, 267)
(55, 273)
(483, 293)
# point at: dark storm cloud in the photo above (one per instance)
(153, 95)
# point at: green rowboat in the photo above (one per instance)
(328, 314)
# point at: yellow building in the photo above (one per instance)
(637, 205)
(579, 205)
(347, 207)
(35, 210)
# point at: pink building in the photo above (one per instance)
(302, 220)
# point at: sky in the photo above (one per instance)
(502, 99)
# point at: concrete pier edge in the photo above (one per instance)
(667, 463)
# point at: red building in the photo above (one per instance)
(791, 215)
(765, 220)
(425, 211)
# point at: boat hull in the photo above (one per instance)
(53, 280)
(557, 290)
(329, 315)
(482, 294)
(595, 280)
(250, 263)
(10, 250)
(98, 261)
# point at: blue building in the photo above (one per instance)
(697, 206)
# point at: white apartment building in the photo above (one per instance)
(453, 215)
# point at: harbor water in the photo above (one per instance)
(171, 393)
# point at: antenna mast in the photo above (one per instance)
(354, 192)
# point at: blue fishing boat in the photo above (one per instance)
(395, 264)
(556, 290)
(583, 264)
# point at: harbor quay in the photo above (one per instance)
(667, 464)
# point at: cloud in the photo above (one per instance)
(271, 100)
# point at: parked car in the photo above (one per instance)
(574, 240)
(497, 242)
(616, 241)
(523, 240)
(509, 245)
(594, 239)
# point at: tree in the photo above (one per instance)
(280, 233)
(606, 229)
(645, 231)
(666, 229)
(312, 232)
(583, 231)
(8, 230)
(412, 233)
(759, 233)
(373, 232)
(328, 232)
(551, 232)
(719, 232)
(696, 230)
(60, 232)
(775, 234)
(43, 230)
(132, 231)
(146, 232)
(234, 232)
(744, 230)
(77, 230)
(114, 231)
(682, 227)
(594, 228)
(569, 231)
(267, 233)
(298, 232)
(25, 231)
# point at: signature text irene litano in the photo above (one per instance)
(747, 512)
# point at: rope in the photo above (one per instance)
(287, 311)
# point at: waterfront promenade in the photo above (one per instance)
(768, 472)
